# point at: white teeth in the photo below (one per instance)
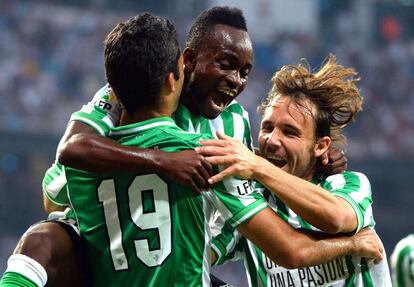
(228, 93)
(274, 157)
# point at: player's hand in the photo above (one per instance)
(367, 244)
(334, 161)
(189, 168)
(237, 159)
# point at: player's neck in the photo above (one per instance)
(141, 115)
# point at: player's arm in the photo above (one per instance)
(320, 208)
(247, 210)
(83, 148)
(291, 248)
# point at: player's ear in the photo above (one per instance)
(169, 83)
(189, 57)
(321, 146)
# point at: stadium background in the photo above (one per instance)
(51, 63)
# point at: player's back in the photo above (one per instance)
(143, 229)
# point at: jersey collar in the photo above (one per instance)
(142, 126)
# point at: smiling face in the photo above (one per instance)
(218, 72)
(287, 137)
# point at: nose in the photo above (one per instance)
(273, 140)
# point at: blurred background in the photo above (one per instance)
(51, 62)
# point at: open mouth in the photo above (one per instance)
(277, 161)
(222, 98)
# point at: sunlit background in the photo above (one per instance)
(51, 62)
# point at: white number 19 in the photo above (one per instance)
(159, 218)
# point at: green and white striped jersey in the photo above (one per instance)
(349, 271)
(402, 262)
(145, 229)
(102, 113)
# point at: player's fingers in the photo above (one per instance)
(194, 187)
(341, 162)
(208, 167)
(213, 142)
(335, 154)
(379, 257)
(211, 150)
(220, 160)
(199, 181)
(220, 176)
(204, 174)
(324, 159)
(221, 135)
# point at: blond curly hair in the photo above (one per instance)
(332, 89)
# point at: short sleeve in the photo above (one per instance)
(228, 245)
(54, 185)
(236, 200)
(355, 188)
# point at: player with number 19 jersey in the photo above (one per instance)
(148, 225)
(103, 112)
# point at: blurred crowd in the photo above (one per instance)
(51, 63)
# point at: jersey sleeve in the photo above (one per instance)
(228, 245)
(54, 185)
(236, 200)
(355, 188)
(102, 113)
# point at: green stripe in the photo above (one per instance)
(247, 134)
(349, 282)
(182, 117)
(251, 268)
(260, 268)
(400, 266)
(282, 210)
(14, 279)
(366, 275)
(228, 123)
(205, 127)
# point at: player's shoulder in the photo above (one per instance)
(167, 137)
(404, 245)
(347, 177)
(179, 137)
(237, 108)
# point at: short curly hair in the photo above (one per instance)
(139, 54)
(332, 89)
(207, 20)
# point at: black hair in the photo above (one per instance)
(139, 54)
(208, 19)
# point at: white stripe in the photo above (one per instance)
(208, 212)
(108, 121)
(91, 123)
(87, 108)
(217, 250)
(216, 125)
(142, 128)
(231, 185)
(249, 214)
(337, 181)
(363, 192)
(238, 127)
(191, 127)
(222, 208)
(55, 186)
